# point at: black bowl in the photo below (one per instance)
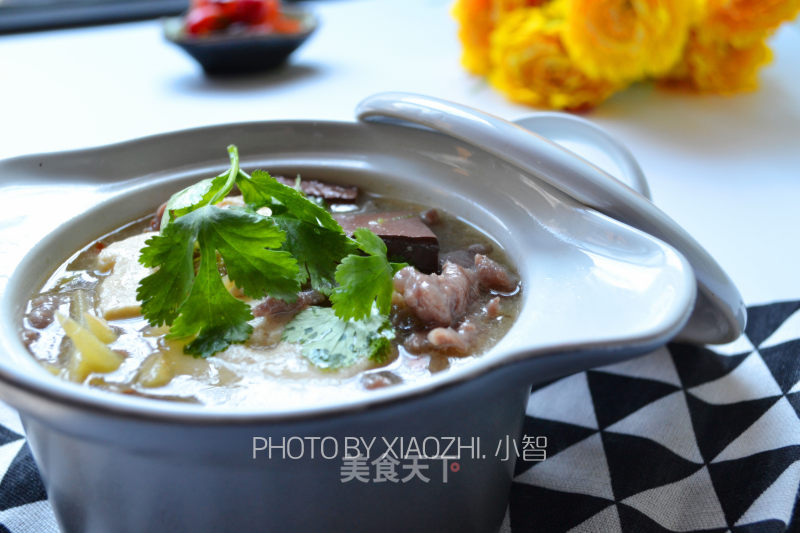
(241, 52)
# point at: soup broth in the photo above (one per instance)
(96, 288)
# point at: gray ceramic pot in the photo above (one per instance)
(595, 291)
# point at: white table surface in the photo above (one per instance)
(727, 168)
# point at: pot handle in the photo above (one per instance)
(561, 126)
(719, 314)
(529, 151)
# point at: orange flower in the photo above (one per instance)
(531, 66)
(507, 6)
(714, 65)
(741, 22)
(475, 26)
(626, 40)
(697, 11)
(477, 19)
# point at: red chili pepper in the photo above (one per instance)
(272, 10)
(203, 20)
(207, 16)
(249, 12)
(227, 9)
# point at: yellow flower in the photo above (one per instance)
(531, 66)
(697, 11)
(477, 19)
(626, 40)
(507, 6)
(741, 22)
(712, 64)
(476, 22)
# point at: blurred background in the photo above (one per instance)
(28, 15)
(32, 15)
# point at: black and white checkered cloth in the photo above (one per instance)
(683, 439)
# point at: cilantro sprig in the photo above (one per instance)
(312, 235)
(364, 279)
(197, 303)
(298, 244)
(205, 192)
(331, 343)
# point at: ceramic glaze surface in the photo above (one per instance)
(596, 291)
(594, 282)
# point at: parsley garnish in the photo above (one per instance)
(199, 304)
(312, 235)
(299, 243)
(318, 251)
(331, 343)
(363, 279)
(206, 192)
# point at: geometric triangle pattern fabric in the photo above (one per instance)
(606, 521)
(780, 360)
(794, 399)
(581, 468)
(37, 516)
(638, 464)
(697, 365)
(567, 400)
(687, 438)
(779, 427)
(630, 394)
(767, 506)
(539, 509)
(657, 366)
(648, 422)
(560, 436)
(750, 380)
(767, 526)
(739, 346)
(6, 436)
(740, 482)
(789, 330)
(636, 521)
(716, 426)
(694, 438)
(8, 453)
(9, 420)
(21, 482)
(764, 320)
(689, 503)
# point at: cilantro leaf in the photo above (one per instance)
(331, 343)
(312, 235)
(261, 189)
(163, 291)
(205, 192)
(243, 238)
(397, 267)
(369, 243)
(364, 279)
(318, 250)
(200, 304)
(217, 318)
(192, 197)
